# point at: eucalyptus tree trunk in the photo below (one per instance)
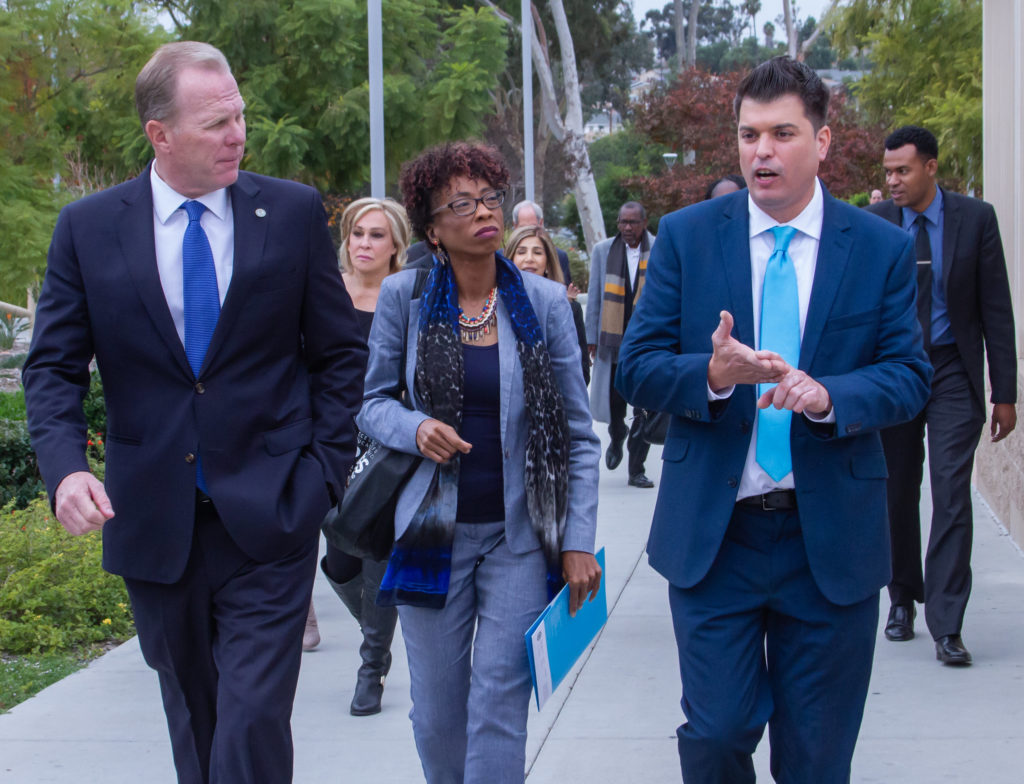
(568, 127)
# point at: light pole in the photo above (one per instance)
(670, 159)
(374, 24)
(527, 28)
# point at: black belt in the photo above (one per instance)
(782, 500)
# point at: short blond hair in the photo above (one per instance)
(397, 220)
(552, 269)
(157, 82)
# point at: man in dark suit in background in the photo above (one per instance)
(770, 525)
(965, 311)
(232, 367)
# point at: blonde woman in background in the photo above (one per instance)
(532, 250)
(374, 238)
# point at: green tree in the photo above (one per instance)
(302, 68)
(66, 116)
(926, 57)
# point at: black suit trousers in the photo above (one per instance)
(954, 419)
(636, 447)
(226, 642)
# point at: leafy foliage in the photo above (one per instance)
(926, 57)
(19, 470)
(302, 68)
(65, 97)
(53, 593)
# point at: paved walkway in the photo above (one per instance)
(614, 723)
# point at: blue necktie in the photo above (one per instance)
(780, 332)
(202, 299)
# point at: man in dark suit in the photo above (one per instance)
(232, 368)
(770, 523)
(966, 312)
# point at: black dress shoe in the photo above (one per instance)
(952, 651)
(613, 456)
(900, 626)
(640, 480)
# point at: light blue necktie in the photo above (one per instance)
(780, 332)
(202, 299)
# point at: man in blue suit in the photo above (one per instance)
(232, 368)
(771, 519)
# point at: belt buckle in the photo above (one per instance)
(764, 504)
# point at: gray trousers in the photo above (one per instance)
(468, 663)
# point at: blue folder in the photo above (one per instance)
(556, 641)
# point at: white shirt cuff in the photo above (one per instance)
(725, 394)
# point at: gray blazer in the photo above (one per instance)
(385, 418)
(601, 373)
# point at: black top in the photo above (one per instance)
(365, 319)
(481, 482)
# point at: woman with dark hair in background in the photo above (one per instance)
(503, 511)
(374, 238)
(532, 250)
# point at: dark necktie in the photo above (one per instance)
(780, 332)
(202, 299)
(923, 246)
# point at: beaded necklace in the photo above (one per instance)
(472, 329)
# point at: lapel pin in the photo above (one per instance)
(260, 212)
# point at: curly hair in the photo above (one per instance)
(552, 269)
(397, 221)
(439, 165)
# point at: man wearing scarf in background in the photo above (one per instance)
(617, 269)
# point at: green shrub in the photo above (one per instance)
(19, 472)
(54, 595)
(12, 405)
(12, 361)
(95, 406)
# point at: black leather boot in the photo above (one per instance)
(378, 630)
(350, 592)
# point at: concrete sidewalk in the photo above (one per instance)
(612, 723)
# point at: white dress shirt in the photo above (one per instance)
(803, 250)
(633, 262)
(169, 223)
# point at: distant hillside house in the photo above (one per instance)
(601, 125)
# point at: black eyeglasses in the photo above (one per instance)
(467, 205)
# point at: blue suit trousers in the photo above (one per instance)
(759, 644)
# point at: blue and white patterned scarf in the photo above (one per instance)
(420, 564)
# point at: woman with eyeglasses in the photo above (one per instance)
(503, 510)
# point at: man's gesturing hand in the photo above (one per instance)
(733, 362)
(798, 392)
(82, 504)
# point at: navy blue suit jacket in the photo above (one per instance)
(861, 341)
(272, 410)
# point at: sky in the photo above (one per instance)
(769, 9)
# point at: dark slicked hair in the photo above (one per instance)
(437, 166)
(781, 76)
(923, 139)
(735, 179)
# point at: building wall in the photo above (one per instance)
(999, 470)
